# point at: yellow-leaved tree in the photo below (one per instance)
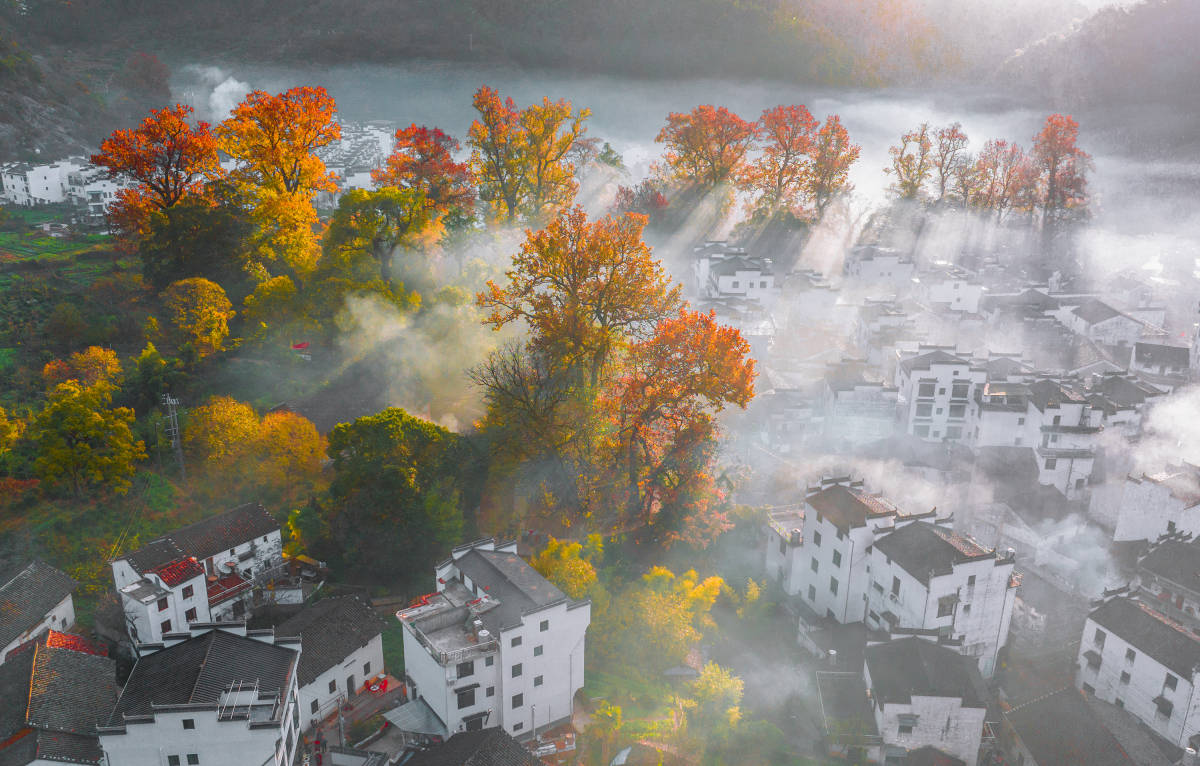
(198, 312)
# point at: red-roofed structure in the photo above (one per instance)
(179, 571)
(226, 587)
(57, 640)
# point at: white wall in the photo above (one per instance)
(1148, 510)
(942, 722)
(318, 690)
(60, 618)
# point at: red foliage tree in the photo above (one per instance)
(707, 145)
(423, 160)
(1063, 167)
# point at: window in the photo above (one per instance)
(188, 591)
(921, 432)
(537, 651)
(516, 670)
(735, 284)
(971, 581)
(189, 723)
(833, 586)
(333, 685)
(939, 410)
(958, 410)
(1125, 676)
(232, 551)
(1020, 421)
(516, 642)
(544, 626)
(466, 698)
(172, 760)
(837, 558)
(1057, 419)
(817, 539)
(190, 615)
(465, 669)
(906, 728)
(163, 604)
(1171, 682)
(941, 391)
(313, 707)
(165, 627)
(814, 565)
(966, 609)
(945, 606)
(925, 390)
(924, 409)
(491, 691)
(1098, 639)
(518, 726)
(895, 586)
(954, 432)
(1130, 655)
(193, 759)
(959, 391)
(489, 661)
(518, 700)
(366, 668)
(812, 593)
(537, 680)
(1051, 462)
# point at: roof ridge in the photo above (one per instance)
(32, 673)
(1039, 699)
(203, 663)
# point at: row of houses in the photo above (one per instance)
(73, 180)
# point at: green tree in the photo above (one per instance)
(394, 498)
(82, 442)
(197, 237)
(199, 312)
(377, 223)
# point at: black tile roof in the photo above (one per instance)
(487, 747)
(1093, 311)
(197, 670)
(931, 756)
(206, 538)
(1157, 353)
(846, 507)
(507, 577)
(924, 550)
(913, 666)
(57, 696)
(1151, 633)
(330, 630)
(925, 361)
(1176, 561)
(26, 598)
(1061, 729)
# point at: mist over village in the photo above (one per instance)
(647, 383)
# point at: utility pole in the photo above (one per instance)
(172, 405)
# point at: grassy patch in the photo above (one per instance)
(393, 647)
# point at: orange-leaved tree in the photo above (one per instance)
(949, 151)
(829, 172)
(167, 157)
(778, 178)
(1063, 166)
(912, 161)
(274, 140)
(706, 146)
(583, 289)
(1005, 178)
(423, 160)
(521, 157)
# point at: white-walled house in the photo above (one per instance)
(1162, 364)
(951, 288)
(221, 695)
(1138, 659)
(925, 695)
(927, 578)
(1152, 505)
(199, 573)
(495, 645)
(873, 265)
(35, 600)
(1065, 429)
(53, 693)
(1099, 322)
(740, 276)
(781, 554)
(856, 411)
(341, 641)
(1169, 577)
(936, 393)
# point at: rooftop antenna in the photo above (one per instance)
(172, 405)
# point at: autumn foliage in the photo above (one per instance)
(423, 161)
(706, 146)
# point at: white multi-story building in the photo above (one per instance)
(936, 392)
(855, 410)
(1168, 578)
(200, 573)
(951, 288)
(341, 652)
(36, 600)
(741, 276)
(1097, 321)
(495, 645)
(1138, 659)
(1152, 505)
(218, 695)
(1066, 428)
(925, 695)
(825, 565)
(873, 265)
(927, 578)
